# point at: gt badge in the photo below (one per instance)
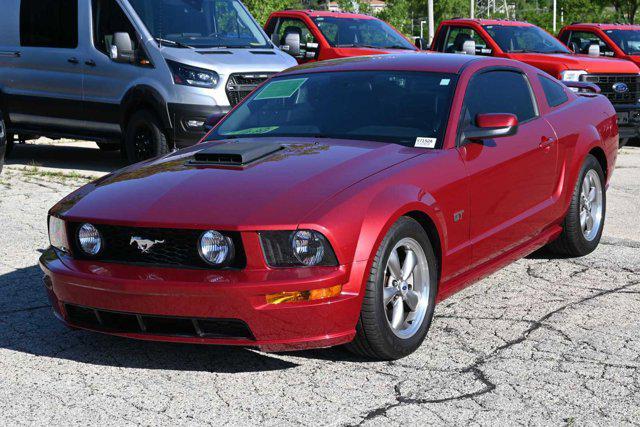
(457, 217)
(144, 245)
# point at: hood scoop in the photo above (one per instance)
(235, 153)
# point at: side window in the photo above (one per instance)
(108, 19)
(499, 91)
(455, 38)
(49, 23)
(305, 37)
(553, 91)
(579, 42)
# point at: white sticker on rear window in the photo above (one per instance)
(445, 82)
(425, 142)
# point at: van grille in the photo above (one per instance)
(606, 82)
(176, 248)
(242, 84)
(131, 323)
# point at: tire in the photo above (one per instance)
(145, 137)
(3, 140)
(623, 142)
(376, 338)
(105, 146)
(575, 240)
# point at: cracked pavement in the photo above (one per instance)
(544, 341)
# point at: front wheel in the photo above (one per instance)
(584, 222)
(400, 295)
(145, 137)
(3, 140)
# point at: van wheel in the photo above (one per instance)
(583, 225)
(145, 138)
(108, 146)
(400, 295)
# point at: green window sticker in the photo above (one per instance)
(280, 89)
(253, 131)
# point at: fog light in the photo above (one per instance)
(90, 239)
(215, 248)
(298, 296)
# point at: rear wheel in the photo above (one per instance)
(400, 296)
(145, 137)
(623, 142)
(584, 222)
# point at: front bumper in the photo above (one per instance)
(628, 120)
(185, 133)
(227, 296)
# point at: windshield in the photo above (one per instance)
(353, 32)
(200, 23)
(525, 39)
(408, 108)
(627, 40)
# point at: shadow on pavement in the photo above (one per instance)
(82, 156)
(27, 325)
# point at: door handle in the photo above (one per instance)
(10, 54)
(73, 60)
(546, 142)
(90, 63)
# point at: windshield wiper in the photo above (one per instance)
(174, 43)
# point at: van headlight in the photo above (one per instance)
(299, 248)
(58, 234)
(571, 75)
(192, 76)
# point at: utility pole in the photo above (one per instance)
(472, 9)
(555, 7)
(431, 24)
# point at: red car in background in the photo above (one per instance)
(312, 217)
(619, 80)
(610, 40)
(310, 35)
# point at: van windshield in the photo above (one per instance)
(524, 39)
(402, 107)
(200, 23)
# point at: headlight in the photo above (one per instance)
(192, 76)
(58, 234)
(215, 249)
(301, 248)
(89, 239)
(571, 75)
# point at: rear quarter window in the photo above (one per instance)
(554, 92)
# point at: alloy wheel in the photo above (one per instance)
(591, 203)
(143, 143)
(406, 288)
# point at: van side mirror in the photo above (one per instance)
(421, 43)
(212, 121)
(490, 126)
(594, 50)
(292, 42)
(122, 48)
(469, 47)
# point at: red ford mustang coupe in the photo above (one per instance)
(337, 205)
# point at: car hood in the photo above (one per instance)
(578, 62)
(277, 190)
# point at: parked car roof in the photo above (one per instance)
(606, 26)
(324, 14)
(489, 22)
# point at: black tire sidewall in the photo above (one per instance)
(397, 347)
(3, 140)
(140, 119)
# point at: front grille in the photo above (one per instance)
(119, 322)
(242, 84)
(175, 248)
(607, 81)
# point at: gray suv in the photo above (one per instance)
(138, 74)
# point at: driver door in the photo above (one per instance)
(511, 179)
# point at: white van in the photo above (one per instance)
(138, 74)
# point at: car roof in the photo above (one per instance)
(325, 14)
(483, 22)
(434, 62)
(604, 26)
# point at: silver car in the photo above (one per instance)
(138, 74)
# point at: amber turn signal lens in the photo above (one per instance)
(298, 296)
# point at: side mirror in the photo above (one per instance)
(583, 87)
(573, 46)
(421, 43)
(292, 43)
(469, 47)
(122, 48)
(490, 126)
(212, 121)
(594, 50)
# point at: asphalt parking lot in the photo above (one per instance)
(545, 341)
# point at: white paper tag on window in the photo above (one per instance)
(445, 82)
(425, 142)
